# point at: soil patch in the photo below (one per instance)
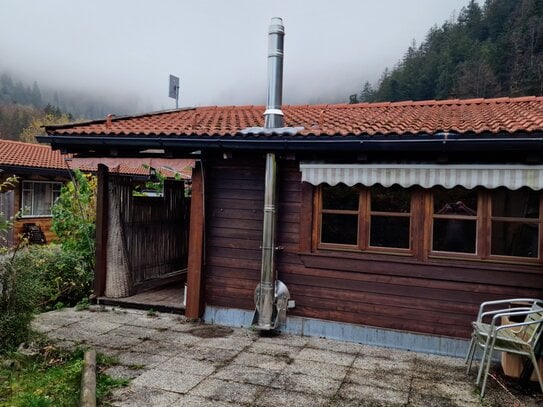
(211, 331)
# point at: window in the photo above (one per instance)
(390, 217)
(362, 218)
(477, 224)
(454, 220)
(340, 215)
(515, 223)
(38, 197)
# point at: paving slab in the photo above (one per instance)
(138, 396)
(301, 383)
(144, 360)
(223, 390)
(187, 400)
(188, 366)
(326, 356)
(246, 374)
(279, 397)
(317, 369)
(167, 380)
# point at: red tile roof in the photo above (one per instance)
(19, 154)
(509, 115)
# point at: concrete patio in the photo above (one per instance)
(174, 362)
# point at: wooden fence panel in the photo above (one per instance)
(153, 230)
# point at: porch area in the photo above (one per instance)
(167, 298)
(141, 245)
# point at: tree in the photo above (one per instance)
(35, 128)
(368, 93)
(489, 51)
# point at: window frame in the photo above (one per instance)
(364, 225)
(55, 187)
(422, 224)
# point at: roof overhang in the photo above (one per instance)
(441, 142)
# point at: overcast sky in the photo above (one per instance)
(217, 48)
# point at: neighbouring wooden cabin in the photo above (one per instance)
(41, 172)
(394, 220)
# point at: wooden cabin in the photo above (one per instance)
(394, 220)
(40, 173)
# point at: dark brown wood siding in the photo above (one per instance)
(437, 297)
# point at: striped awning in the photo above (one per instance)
(425, 175)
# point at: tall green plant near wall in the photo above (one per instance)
(74, 215)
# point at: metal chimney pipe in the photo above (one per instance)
(273, 116)
(266, 299)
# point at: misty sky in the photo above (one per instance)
(218, 48)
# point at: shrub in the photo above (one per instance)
(38, 278)
(74, 215)
(63, 274)
(19, 290)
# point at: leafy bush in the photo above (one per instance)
(19, 290)
(74, 215)
(38, 278)
(64, 276)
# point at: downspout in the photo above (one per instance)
(269, 310)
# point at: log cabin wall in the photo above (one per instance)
(436, 296)
(44, 222)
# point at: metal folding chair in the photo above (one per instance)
(520, 338)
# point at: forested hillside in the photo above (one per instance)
(24, 107)
(491, 50)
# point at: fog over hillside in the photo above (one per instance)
(123, 51)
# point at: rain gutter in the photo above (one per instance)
(439, 142)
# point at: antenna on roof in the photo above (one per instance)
(174, 90)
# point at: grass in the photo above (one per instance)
(50, 378)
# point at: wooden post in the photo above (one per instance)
(194, 300)
(102, 216)
(88, 380)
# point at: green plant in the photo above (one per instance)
(63, 276)
(82, 305)
(19, 291)
(74, 215)
(52, 378)
(6, 223)
(151, 313)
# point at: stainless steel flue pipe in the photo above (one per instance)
(273, 118)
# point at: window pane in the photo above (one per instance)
(389, 232)
(451, 235)
(393, 199)
(340, 229)
(522, 203)
(340, 197)
(515, 239)
(42, 198)
(26, 207)
(455, 201)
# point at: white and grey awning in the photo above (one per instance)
(425, 175)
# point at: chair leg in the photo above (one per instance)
(487, 368)
(483, 360)
(536, 368)
(469, 349)
(471, 354)
(481, 366)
